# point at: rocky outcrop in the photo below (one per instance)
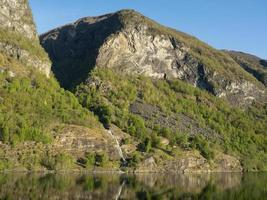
(130, 43)
(77, 140)
(25, 57)
(191, 162)
(16, 16)
(18, 37)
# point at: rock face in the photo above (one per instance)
(192, 163)
(18, 36)
(16, 16)
(131, 43)
(77, 140)
(25, 57)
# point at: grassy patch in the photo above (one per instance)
(32, 46)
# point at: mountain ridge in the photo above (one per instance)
(132, 43)
(252, 64)
(112, 120)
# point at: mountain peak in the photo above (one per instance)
(134, 44)
(124, 17)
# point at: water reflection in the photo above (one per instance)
(141, 186)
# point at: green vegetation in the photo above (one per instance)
(232, 130)
(251, 64)
(134, 160)
(145, 146)
(18, 40)
(101, 159)
(90, 160)
(61, 161)
(31, 106)
(95, 159)
(199, 142)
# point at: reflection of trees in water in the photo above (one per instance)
(142, 186)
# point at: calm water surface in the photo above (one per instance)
(143, 186)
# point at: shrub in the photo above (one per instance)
(145, 146)
(90, 160)
(101, 159)
(235, 131)
(198, 142)
(136, 127)
(32, 105)
(155, 141)
(48, 162)
(104, 113)
(63, 161)
(59, 162)
(181, 139)
(134, 160)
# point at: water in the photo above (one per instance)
(143, 186)
(117, 146)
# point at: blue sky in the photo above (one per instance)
(224, 24)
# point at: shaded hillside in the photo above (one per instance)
(252, 64)
(134, 44)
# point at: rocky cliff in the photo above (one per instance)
(16, 16)
(133, 44)
(155, 122)
(18, 36)
(32, 104)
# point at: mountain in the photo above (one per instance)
(252, 64)
(140, 97)
(37, 116)
(177, 99)
(131, 43)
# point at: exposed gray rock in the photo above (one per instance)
(25, 57)
(16, 16)
(78, 140)
(176, 122)
(134, 46)
(191, 162)
(148, 165)
(19, 33)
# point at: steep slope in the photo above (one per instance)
(18, 36)
(155, 122)
(42, 126)
(252, 64)
(176, 118)
(133, 44)
(145, 83)
(16, 16)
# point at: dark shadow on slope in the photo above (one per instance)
(263, 63)
(202, 81)
(73, 48)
